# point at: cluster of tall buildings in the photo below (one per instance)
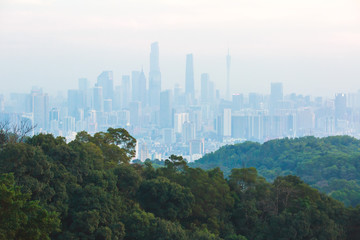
(188, 122)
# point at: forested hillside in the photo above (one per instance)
(86, 189)
(330, 164)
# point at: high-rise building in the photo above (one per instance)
(276, 95)
(154, 76)
(138, 87)
(135, 113)
(126, 91)
(135, 75)
(168, 135)
(204, 88)
(197, 147)
(142, 89)
(165, 109)
(54, 120)
(107, 105)
(69, 125)
(98, 99)
(75, 102)
(227, 122)
(189, 77)
(117, 101)
(340, 110)
(178, 95)
(54, 114)
(254, 101)
(143, 151)
(105, 80)
(123, 118)
(188, 132)
(179, 120)
(84, 89)
(237, 102)
(211, 93)
(228, 63)
(40, 109)
(22, 102)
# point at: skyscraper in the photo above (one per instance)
(98, 100)
(126, 91)
(165, 109)
(189, 77)
(228, 63)
(227, 122)
(139, 87)
(40, 108)
(135, 113)
(276, 95)
(85, 93)
(75, 102)
(204, 88)
(340, 108)
(154, 76)
(142, 89)
(237, 101)
(135, 85)
(105, 80)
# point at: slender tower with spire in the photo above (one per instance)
(228, 63)
(154, 76)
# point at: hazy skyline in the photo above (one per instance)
(313, 47)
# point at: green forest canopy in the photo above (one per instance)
(330, 164)
(86, 189)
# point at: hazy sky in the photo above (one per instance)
(312, 46)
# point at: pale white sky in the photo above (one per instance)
(312, 46)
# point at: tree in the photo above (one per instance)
(14, 133)
(21, 218)
(165, 199)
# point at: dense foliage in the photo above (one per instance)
(330, 164)
(86, 189)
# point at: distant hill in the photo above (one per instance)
(330, 164)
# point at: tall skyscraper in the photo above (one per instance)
(135, 75)
(189, 77)
(84, 89)
(40, 108)
(154, 76)
(204, 88)
(142, 89)
(139, 87)
(227, 122)
(126, 91)
(340, 108)
(75, 102)
(98, 99)
(165, 109)
(116, 104)
(105, 80)
(228, 63)
(135, 113)
(237, 102)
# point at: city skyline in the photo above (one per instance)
(306, 45)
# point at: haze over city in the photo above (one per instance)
(313, 47)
